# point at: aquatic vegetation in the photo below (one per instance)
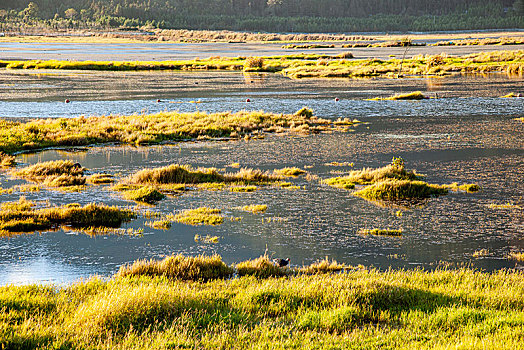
(380, 232)
(6, 160)
(322, 266)
(397, 190)
(305, 65)
(505, 206)
(145, 194)
(340, 164)
(480, 253)
(340, 182)
(261, 267)
(179, 267)
(100, 179)
(176, 174)
(151, 128)
(23, 216)
(417, 95)
(207, 239)
(469, 188)
(308, 46)
(185, 302)
(520, 119)
(59, 173)
(516, 256)
(293, 171)
(254, 208)
(159, 224)
(199, 216)
(480, 42)
(243, 188)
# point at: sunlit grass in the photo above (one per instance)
(417, 95)
(254, 208)
(59, 173)
(395, 190)
(292, 171)
(200, 216)
(380, 232)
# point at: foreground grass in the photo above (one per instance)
(154, 128)
(310, 66)
(148, 305)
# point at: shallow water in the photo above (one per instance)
(470, 135)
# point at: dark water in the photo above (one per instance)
(469, 135)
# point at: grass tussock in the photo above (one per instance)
(322, 266)
(254, 208)
(516, 256)
(380, 232)
(179, 267)
(145, 194)
(24, 216)
(100, 179)
(199, 216)
(398, 190)
(151, 128)
(292, 171)
(417, 95)
(59, 173)
(261, 267)
(6, 160)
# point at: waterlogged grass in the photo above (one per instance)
(398, 190)
(6, 160)
(254, 208)
(417, 95)
(261, 267)
(100, 179)
(59, 173)
(516, 256)
(306, 65)
(380, 232)
(145, 194)
(145, 307)
(293, 171)
(25, 216)
(153, 128)
(323, 266)
(199, 216)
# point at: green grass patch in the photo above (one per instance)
(397, 190)
(417, 95)
(261, 267)
(184, 302)
(292, 171)
(145, 194)
(254, 208)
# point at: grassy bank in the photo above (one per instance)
(311, 66)
(192, 304)
(155, 128)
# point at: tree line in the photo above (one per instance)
(270, 15)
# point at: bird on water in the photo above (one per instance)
(281, 262)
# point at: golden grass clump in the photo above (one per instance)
(199, 268)
(59, 173)
(199, 216)
(100, 179)
(23, 216)
(395, 190)
(261, 267)
(6, 160)
(253, 63)
(175, 173)
(322, 266)
(254, 208)
(417, 95)
(292, 171)
(505, 206)
(516, 256)
(380, 232)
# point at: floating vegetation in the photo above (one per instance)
(380, 232)
(179, 267)
(59, 173)
(199, 216)
(340, 164)
(480, 253)
(100, 179)
(207, 239)
(417, 95)
(505, 206)
(469, 188)
(293, 171)
(151, 128)
(398, 190)
(254, 208)
(23, 216)
(145, 194)
(243, 188)
(234, 165)
(340, 182)
(516, 256)
(261, 267)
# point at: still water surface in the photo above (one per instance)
(468, 135)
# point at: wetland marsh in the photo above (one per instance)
(466, 135)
